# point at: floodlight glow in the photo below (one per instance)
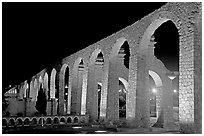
(76, 127)
(100, 131)
(154, 90)
(175, 90)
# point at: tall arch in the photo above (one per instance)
(116, 58)
(45, 84)
(52, 83)
(32, 90)
(63, 89)
(35, 86)
(186, 111)
(77, 82)
(95, 75)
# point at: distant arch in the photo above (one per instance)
(4, 122)
(52, 83)
(19, 122)
(48, 121)
(76, 120)
(69, 120)
(62, 120)
(56, 121)
(34, 122)
(45, 84)
(26, 122)
(35, 93)
(63, 87)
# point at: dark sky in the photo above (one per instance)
(36, 35)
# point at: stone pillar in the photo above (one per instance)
(131, 93)
(61, 95)
(79, 90)
(28, 110)
(142, 93)
(112, 91)
(168, 103)
(54, 106)
(92, 95)
(48, 109)
(158, 100)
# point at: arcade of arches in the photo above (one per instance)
(121, 79)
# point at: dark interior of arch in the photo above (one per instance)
(100, 58)
(122, 100)
(81, 63)
(125, 49)
(167, 46)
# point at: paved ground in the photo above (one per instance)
(83, 130)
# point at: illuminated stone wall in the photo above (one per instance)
(187, 19)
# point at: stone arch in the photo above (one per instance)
(77, 83)
(156, 78)
(56, 121)
(116, 64)
(69, 120)
(31, 90)
(48, 121)
(35, 93)
(52, 83)
(26, 122)
(25, 89)
(158, 94)
(45, 84)
(76, 120)
(62, 120)
(64, 74)
(186, 47)
(34, 122)
(19, 122)
(185, 35)
(12, 122)
(4, 122)
(95, 75)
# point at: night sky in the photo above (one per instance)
(36, 35)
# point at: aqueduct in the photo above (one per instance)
(87, 82)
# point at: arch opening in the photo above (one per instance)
(34, 122)
(95, 80)
(155, 88)
(69, 120)
(26, 122)
(19, 122)
(52, 83)
(123, 86)
(48, 121)
(77, 83)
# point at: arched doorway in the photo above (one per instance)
(95, 80)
